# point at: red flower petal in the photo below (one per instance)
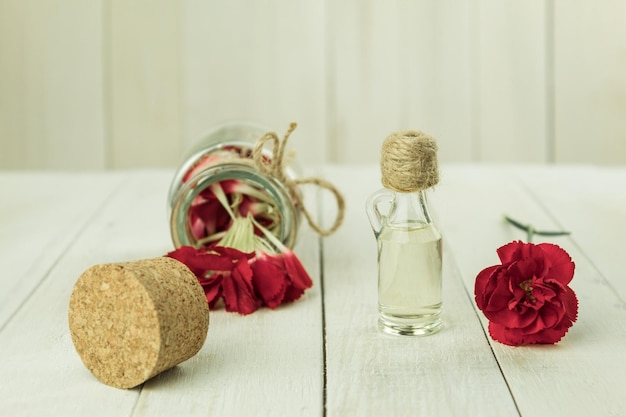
(211, 215)
(229, 186)
(510, 251)
(561, 265)
(513, 318)
(570, 303)
(199, 261)
(517, 337)
(484, 285)
(225, 273)
(238, 294)
(233, 253)
(246, 281)
(297, 274)
(298, 277)
(292, 294)
(212, 288)
(499, 297)
(269, 279)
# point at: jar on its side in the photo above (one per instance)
(224, 158)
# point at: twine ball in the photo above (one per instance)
(131, 321)
(409, 161)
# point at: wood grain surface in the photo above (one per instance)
(322, 355)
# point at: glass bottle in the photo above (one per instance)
(409, 258)
(225, 156)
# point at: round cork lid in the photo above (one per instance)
(130, 321)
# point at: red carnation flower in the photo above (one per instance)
(279, 278)
(223, 273)
(244, 269)
(245, 281)
(527, 298)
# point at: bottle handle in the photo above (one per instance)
(377, 207)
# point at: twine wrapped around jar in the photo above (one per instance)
(409, 161)
(276, 168)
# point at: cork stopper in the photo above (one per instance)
(409, 161)
(130, 321)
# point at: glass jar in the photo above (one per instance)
(223, 158)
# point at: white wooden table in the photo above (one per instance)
(323, 355)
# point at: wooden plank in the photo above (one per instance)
(40, 216)
(261, 62)
(471, 203)
(144, 95)
(509, 90)
(373, 374)
(451, 373)
(264, 363)
(397, 65)
(44, 374)
(365, 77)
(267, 363)
(590, 47)
(51, 85)
(435, 63)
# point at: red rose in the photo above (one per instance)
(527, 298)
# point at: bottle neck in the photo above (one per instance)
(409, 210)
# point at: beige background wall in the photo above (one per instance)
(116, 84)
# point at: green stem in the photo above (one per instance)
(531, 231)
(221, 197)
(206, 241)
(240, 235)
(269, 235)
(244, 188)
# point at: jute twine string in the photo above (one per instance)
(409, 161)
(275, 167)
